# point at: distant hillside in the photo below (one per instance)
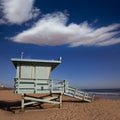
(2, 87)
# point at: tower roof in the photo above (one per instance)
(52, 63)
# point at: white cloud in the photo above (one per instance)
(18, 11)
(2, 21)
(53, 30)
(109, 42)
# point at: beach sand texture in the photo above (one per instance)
(72, 109)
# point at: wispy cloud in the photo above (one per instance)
(18, 11)
(53, 30)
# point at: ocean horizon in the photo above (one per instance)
(105, 93)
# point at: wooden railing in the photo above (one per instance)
(82, 95)
(25, 85)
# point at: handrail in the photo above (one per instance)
(38, 85)
(25, 85)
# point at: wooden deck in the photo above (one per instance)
(55, 88)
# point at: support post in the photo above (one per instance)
(51, 87)
(65, 86)
(60, 99)
(75, 93)
(22, 102)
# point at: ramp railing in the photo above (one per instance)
(76, 93)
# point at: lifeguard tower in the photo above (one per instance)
(33, 77)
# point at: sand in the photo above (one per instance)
(72, 109)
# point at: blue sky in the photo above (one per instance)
(85, 33)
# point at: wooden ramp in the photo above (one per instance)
(76, 93)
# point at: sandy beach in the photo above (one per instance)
(72, 109)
